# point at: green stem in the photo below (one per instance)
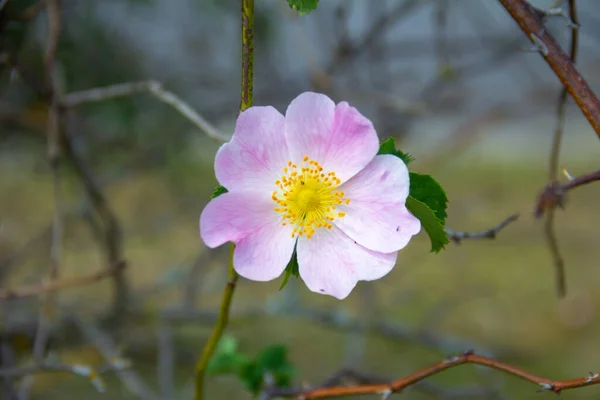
(232, 276)
(217, 332)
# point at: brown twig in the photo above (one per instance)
(549, 232)
(53, 9)
(386, 389)
(457, 237)
(57, 285)
(531, 22)
(554, 194)
(351, 376)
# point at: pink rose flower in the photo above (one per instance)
(313, 181)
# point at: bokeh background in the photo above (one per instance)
(450, 79)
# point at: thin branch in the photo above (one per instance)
(57, 285)
(347, 375)
(457, 237)
(549, 231)
(531, 22)
(385, 389)
(153, 87)
(110, 352)
(219, 328)
(93, 374)
(246, 99)
(53, 9)
(113, 236)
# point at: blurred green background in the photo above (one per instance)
(449, 79)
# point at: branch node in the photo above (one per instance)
(538, 45)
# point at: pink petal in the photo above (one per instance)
(340, 138)
(263, 255)
(257, 153)
(233, 216)
(376, 216)
(332, 263)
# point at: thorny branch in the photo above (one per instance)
(531, 22)
(355, 377)
(386, 389)
(457, 237)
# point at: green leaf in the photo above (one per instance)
(219, 190)
(427, 190)
(388, 146)
(290, 269)
(272, 361)
(251, 376)
(227, 359)
(303, 6)
(430, 222)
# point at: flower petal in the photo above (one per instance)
(332, 263)
(340, 138)
(377, 217)
(257, 153)
(263, 255)
(233, 216)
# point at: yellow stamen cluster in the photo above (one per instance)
(307, 197)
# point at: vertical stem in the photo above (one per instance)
(221, 324)
(247, 54)
(232, 276)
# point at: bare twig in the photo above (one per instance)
(531, 22)
(53, 8)
(93, 374)
(549, 231)
(153, 87)
(57, 285)
(110, 352)
(457, 237)
(401, 384)
(358, 378)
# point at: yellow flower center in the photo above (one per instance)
(307, 197)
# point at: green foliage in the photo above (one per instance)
(432, 224)
(427, 190)
(290, 269)
(272, 362)
(388, 146)
(219, 190)
(427, 200)
(227, 359)
(303, 6)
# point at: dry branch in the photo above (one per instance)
(56, 285)
(386, 389)
(457, 237)
(532, 23)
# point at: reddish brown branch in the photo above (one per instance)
(531, 22)
(56, 285)
(466, 358)
(553, 195)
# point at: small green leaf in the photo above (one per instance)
(290, 269)
(430, 222)
(251, 376)
(388, 146)
(427, 190)
(219, 190)
(303, 6)
(226, 359)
